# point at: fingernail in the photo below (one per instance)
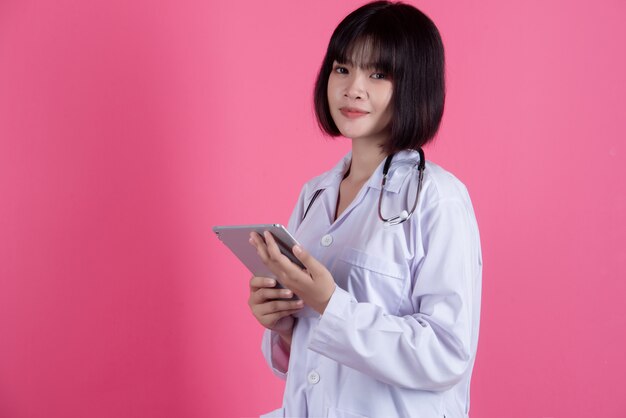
(297, 249)
(270, 282)
(286, 292)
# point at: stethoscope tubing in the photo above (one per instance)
(404, 215)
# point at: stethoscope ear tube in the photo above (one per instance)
(386, 169)
(422, 164)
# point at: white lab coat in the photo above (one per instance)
(399, 335)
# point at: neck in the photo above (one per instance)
(366, 156)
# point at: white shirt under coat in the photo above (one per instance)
(398, 337)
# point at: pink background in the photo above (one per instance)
(128, 129)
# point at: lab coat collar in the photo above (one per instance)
(401, 164)
(395, 178)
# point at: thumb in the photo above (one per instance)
(312, 265)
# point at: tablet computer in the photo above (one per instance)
(236, 239)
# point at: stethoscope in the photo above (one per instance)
(404, 215)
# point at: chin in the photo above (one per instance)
(357, 134)
(354, 133)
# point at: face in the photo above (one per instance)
(360, 102)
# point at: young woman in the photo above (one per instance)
(386, 324)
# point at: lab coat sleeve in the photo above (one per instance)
(432, 348)
(275, 355)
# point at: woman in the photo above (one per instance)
(387, 319)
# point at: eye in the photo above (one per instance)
(379, 76)
(340, 70)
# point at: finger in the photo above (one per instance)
(256, 240)
(274, 306)
(259, 244)
(272, 319)
(312, 265)
(258, 282)
(266, 294)
(290, 271)
(273, 249)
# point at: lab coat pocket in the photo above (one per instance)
(336, 413)
(278, 413)
(372, 279)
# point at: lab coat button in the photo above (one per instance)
(327, 240)
(313, 377)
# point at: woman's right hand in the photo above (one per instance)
(268, 308)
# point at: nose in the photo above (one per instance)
(355, 88)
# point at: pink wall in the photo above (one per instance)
(128, 129)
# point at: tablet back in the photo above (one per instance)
(236, 238)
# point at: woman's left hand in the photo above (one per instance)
(314, 286)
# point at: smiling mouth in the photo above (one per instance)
(353, 113)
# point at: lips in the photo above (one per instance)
(353, 112)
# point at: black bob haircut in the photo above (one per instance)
(403, 42)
